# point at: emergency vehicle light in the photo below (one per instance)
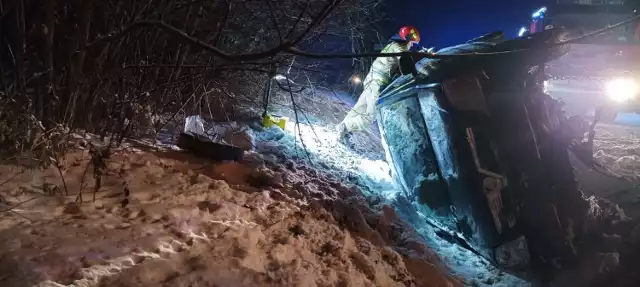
(522, 31)
(539, 13)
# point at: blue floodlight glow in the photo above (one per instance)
(539, 13)
(522, 31)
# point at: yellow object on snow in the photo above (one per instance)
(363, 113)
(269, 121)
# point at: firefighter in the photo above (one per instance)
(380, 75)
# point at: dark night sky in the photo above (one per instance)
(449, 22)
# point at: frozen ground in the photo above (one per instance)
(617, 148)
(163, 218)
(313, 143)
(366, 168)
(373, 176)
(300, 210)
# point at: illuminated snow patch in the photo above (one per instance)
(201, 236)
(322, 143)
(376, 169)
(92, 275)
(168, 247)
(236, 223)
(315, 138)
(164, 249)
(323, 146)
(379, 171)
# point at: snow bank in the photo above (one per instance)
(326, 155)
(618, 148)
(164, 218)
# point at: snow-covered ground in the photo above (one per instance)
(315, 143)
(617, 147)
(299, 209)
(161, 217)
(374, 177)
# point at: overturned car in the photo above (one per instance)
(483, 152)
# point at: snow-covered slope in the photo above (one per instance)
(374, 179)
(165, 218)
(301, 210)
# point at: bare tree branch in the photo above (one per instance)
(112, 66)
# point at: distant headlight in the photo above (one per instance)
(622, 90)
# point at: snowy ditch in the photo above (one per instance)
(618, 148)
(316, 146)
(373, 176)
(164, 249)
(91, 276)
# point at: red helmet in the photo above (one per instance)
(409, 33)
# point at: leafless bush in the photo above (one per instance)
(123, 68)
